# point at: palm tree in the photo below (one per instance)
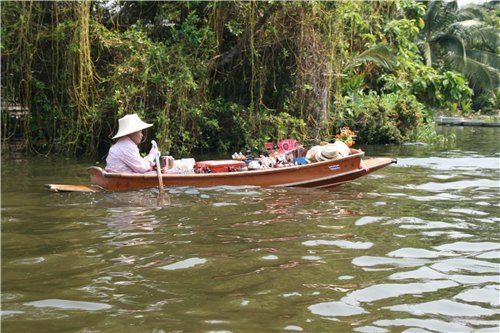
(459, 39)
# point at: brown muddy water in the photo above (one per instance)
(411, 248)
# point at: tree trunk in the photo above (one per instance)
(313, 79)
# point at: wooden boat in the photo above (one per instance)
(324, 174)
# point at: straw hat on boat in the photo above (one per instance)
(327, 152)
(343, 149)
(129, 124)
(311, 153)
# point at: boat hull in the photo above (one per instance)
(324, 174)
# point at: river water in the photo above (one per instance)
(413, 247)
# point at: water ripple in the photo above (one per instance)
(69, 305)
(464, 264)
(447, 164)
(418, 253)
(370, 261)
(390, 290)
(340, 243)
(427, 273)
(443, 307)
(469, 247)
(488, 295)
(457, 185)
(188, 263)
(335, 309)
(433, 325)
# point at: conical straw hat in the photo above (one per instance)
(329, 151)
(129, 124)
(344, 149)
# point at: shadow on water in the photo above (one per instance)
(413, 247)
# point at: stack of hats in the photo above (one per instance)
(322, 153)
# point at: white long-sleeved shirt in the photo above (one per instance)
(124, 157)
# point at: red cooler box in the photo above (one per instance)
(221, 165)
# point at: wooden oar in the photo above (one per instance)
(161, 194)
(72, 188)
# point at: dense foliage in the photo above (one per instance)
(227, 74)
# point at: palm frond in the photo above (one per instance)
(380, 54)
(449, 14)
(465, 25)
(471, 13)
(452, 44)
(431, 17)
(487, 38)
(480, 76)
(437, 18)
(488, 58)
(451, 6)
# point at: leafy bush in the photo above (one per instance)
(447, 90)
(388, 118)
(487, 102)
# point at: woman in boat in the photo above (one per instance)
(123, 156)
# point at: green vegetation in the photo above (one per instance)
(463, 41)
(226, 74)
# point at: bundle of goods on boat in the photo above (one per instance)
(287, 153)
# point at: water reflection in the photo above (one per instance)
(443, 307)
(188, 263)
(130, 218)
(69, 305)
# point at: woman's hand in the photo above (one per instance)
(154, 151)
(151, 157)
